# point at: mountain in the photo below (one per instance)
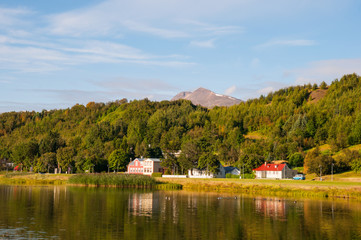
(207, 98)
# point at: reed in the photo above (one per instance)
(113, 179)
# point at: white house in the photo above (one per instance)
(145, 166)
(197, 173)
(274, 171)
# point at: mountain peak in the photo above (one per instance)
(207, 98)
(202, 90)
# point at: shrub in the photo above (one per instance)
(249, 176)
(230, 175)
(157, 174)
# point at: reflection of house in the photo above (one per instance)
(145, 166)
(271, 208)
(197, 173)
(278, 171)
(143, 204)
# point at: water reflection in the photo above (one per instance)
(143, 204)
(271, 207)
(106, 213)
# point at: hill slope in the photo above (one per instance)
(268, 128)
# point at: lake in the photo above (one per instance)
(64, 212)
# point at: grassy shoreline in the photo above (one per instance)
(283, 188)
(87, 180)
(33, 179)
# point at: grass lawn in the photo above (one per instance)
(32, 178)
(346, 185)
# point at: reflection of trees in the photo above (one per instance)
(336, 218)
(110, 213)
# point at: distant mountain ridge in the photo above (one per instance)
(207, 98)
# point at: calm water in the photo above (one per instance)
(91, 213)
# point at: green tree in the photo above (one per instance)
(189, 155)
(170, 162)
(355, 137)
(209, 162)
(25, 153)
(316, 162)
(65, 158)
(296, 159)
(345, 160)
(356, 165)
(51, 142)
(118, 160)
(47, 162)
(323, 85)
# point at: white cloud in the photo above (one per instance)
(291, 42)
(229, 91)
(33, 56)
(203, 44)
(265, 91)
(108, 49)
(158, 17)
(209, 29)
(12, 16)
(154, 31)
(325, 70)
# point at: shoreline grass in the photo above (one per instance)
(282, 188)
(25, 178)
(112, 179)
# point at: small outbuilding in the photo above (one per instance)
(232, 170)
(198, 173)
(274, 171)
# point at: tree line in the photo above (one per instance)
(289, 124)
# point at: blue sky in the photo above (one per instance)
(55, 54)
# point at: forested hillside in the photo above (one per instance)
(290, 124)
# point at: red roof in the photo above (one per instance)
(270, 167)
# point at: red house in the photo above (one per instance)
(145, 166)
(274, 171)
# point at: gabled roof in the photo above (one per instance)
(270, 167)
(230, 169)
(144, 159)
(152, 159)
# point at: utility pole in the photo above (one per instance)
(332, 171)
(320, 173)
(243, 170)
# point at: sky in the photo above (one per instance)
(55, 54)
